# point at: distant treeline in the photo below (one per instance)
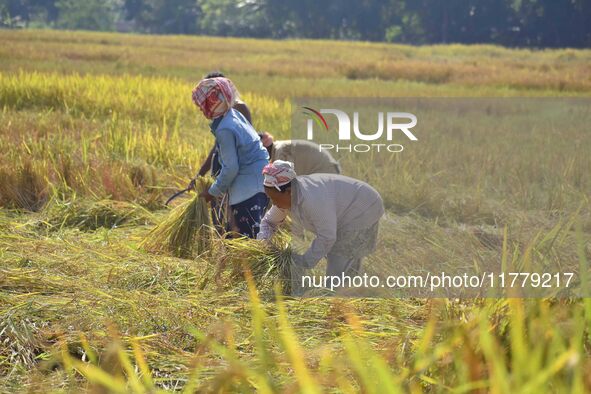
(526, 23)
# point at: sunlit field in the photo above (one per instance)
(97, 130)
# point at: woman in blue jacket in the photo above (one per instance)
(241, 154)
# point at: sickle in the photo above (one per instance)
(175, 195)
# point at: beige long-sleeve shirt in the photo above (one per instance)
(306, 156)
(327, 205)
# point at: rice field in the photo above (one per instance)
(97, 130)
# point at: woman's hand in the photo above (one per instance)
(191, 185)
(264, 236)
(205, 195)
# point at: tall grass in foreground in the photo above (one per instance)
(507, 346)
(61, 294)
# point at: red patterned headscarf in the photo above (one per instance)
(278, 173)
(215, 96)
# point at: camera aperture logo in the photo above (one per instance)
(396, 123)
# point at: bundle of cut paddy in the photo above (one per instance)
(187, 231)
(268, 263)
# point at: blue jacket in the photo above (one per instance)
(241, 155)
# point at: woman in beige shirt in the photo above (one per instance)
(342, 212)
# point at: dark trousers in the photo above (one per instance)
(248, 214)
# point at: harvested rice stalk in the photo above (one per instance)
(187, 231)
(268, 262)
(90, 215)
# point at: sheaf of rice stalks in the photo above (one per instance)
(187, 231)
(269, 262)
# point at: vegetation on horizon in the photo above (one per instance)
(532, 23)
